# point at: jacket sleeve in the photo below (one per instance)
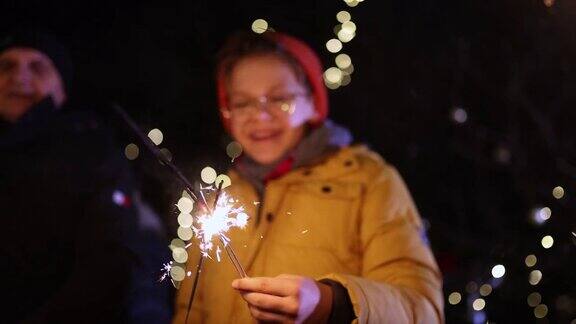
(400, 281)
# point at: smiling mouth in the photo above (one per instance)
(261, 136)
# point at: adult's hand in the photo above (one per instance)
(286, 299)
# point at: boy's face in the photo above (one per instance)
(268, 107)
(27, 76)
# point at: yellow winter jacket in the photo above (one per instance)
(349, 218)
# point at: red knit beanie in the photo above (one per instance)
(308, 60)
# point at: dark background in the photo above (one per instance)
(511, 65)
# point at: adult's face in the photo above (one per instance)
(268, 107)
(27, 76)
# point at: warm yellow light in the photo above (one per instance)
(259, 26)
(344, 36)
(535, 277)
(333, 75)
(185, 205)
(547, 241)
(346, 79)
(352, 3)
(343, 16)
(234, 150)
(343, 61)
(334, 45)
(558, 192)
(156, 136)
(349, 27)
(530, 260)
(224, 179)
(185, 220)
(534, 299)
(485, 290)
(454, 298)
(131, 151)
(175, 243)
(478, 304)
(180, 255)
(177, 273)
(185, 233)
(541, 311)
(208, 175)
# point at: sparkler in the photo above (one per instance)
(214, 222)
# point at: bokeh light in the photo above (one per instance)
(343, 61)
(334, 45)
(530, 260)
(131, 151)
(471, 287)
(541, 311)
(558, 192)
(498, 271)
(224, 179)
(177, 273)
(454, 298)
(547, 241)
(485, 290)
(180, 255)
(185, 205)
(535, 277)
(479, 304)
(459, 115)
(259, 26)
(208, 175)
(333, 75)
(156, 136)
(534, 299)
(185, 220)
(343, 16)
(185, 233)
(166, 153)
(233, 150)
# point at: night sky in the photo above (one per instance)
(473, 101)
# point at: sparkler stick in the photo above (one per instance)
(152, 148)
(191, 300)
(233, 258)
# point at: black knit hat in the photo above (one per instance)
(46, 43)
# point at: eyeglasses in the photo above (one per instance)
(275, 105)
